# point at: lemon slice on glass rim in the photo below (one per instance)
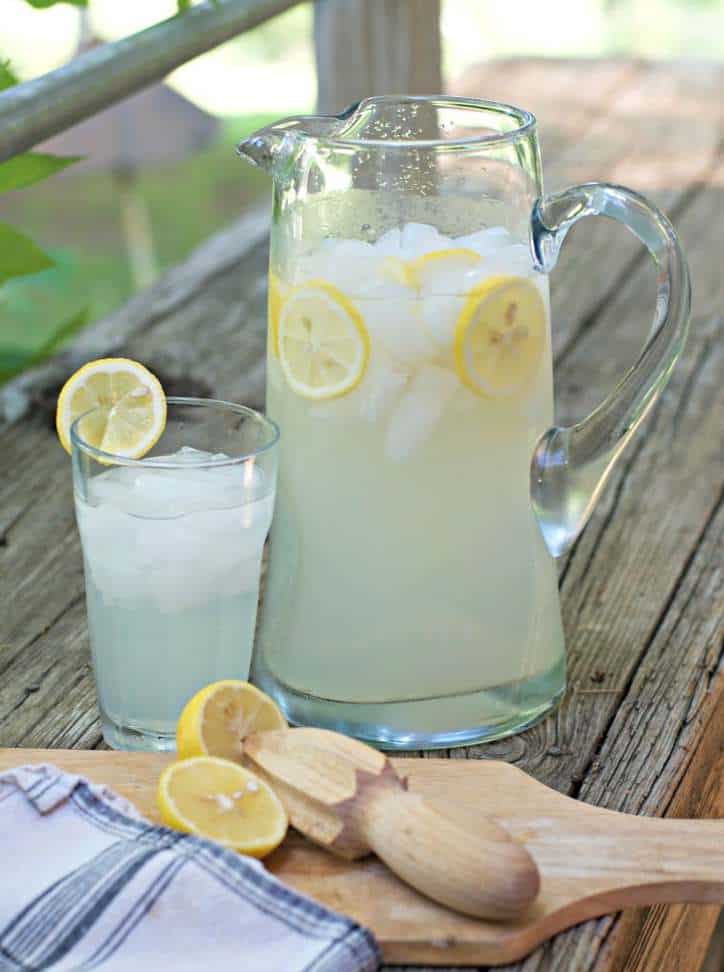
(218, 718)
(324, 346)
(128, 405)
(220, 800)
(500, 335)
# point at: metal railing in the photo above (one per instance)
(34, 110)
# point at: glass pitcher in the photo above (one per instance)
(424, 490)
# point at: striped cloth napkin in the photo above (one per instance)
(86, 883)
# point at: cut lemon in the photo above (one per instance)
(500, 335)
(276, 298)
(129, 403)
(323, 342)
(452, 259)
(222, 801)
(217, 719)
(399, 271)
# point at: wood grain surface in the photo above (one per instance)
(643, 594)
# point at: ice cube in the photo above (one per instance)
(396, 329)
(150, 490)
(356, 268)
(513, 259)
(419, 409)
(420, 238)
(389, 243)
(485, 240)
(187, 456)
(451, 276)
(178, 562)
(439, 317)
(383, 386)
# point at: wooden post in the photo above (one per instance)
(374, 47)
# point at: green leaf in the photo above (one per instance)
(183, 5)
(19, 256)
(7, 78)
(31, 167)
(61, 334)
(42, 4)
(14, 362)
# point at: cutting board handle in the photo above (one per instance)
(478, 871)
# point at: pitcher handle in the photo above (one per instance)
(571, 464)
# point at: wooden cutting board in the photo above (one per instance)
(585, 856)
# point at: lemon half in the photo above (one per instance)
(217, 719)
(222, 801)
(324, 346)
(500, 335)
(129, 404)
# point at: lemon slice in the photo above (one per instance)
(323, 342)
(462, 258)
(130, 401)
(277, 292)
(217, 719)
(500, 335)
(399, 271)
(220, 800)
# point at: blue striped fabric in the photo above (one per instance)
(125, 902)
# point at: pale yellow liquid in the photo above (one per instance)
(412, 573)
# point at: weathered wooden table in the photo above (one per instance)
(642, 724)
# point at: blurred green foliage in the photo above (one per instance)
(7, 78)
(78, 218)
(30, 167)
(19, 255)
(42, 4)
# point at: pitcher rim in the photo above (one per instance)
(526, 124)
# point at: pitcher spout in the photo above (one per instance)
(263, 147)
(270, 146)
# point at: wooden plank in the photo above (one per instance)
(676, 937)
(567, 97)
(375, 47)
(667, 157)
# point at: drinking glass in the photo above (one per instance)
(172, 546)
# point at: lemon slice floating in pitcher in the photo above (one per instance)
(217, 719)
(277, 292)
(222, 801)
(452, 259)
(130, 407)
(500, 335)
(323, 342)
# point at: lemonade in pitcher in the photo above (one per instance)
(413, 374)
